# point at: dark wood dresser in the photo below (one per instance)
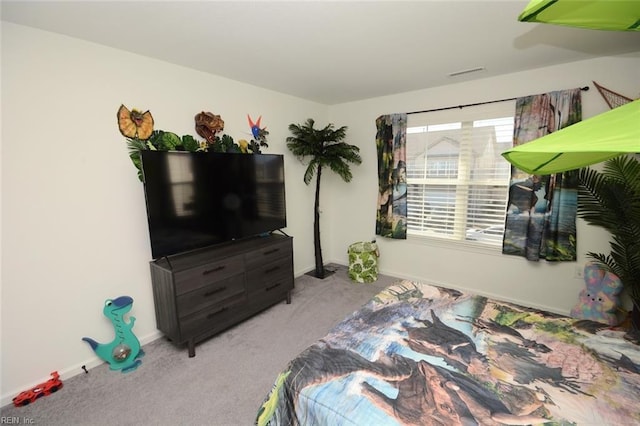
(201, 293)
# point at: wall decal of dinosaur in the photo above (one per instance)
(124, 351)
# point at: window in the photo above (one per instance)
(457, 181)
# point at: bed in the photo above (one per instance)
(419, 354)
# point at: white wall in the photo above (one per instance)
(350, 208)
(74, 230)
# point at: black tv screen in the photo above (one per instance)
(198, 199)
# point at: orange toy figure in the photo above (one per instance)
(135, 124)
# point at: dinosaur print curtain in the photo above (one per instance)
(391, 138)
(541, 212)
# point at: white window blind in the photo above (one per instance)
(457, 181)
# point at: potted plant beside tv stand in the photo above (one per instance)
(201, 293)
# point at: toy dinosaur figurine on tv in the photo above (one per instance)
(123, 352)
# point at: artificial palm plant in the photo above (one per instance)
(611, 199)
(325, 148)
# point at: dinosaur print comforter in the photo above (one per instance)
(417, 354)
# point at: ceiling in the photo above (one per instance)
(327, 51)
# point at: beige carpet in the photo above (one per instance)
(227, 380)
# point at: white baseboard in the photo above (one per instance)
(479, 292)
(74, 370)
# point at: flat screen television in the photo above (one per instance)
(198, 199)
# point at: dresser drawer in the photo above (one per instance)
(203, 275)
(268, 254)
(275, 276)
(202, 297)
(214, 316)
(201, 293)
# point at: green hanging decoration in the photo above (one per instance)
(597, 139)
(590, 14)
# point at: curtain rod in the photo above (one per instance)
(584, 89)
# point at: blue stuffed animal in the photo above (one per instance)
(600, 300)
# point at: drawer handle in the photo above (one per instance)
(273, 286)
(271, 251)
(217, 290)
(272, 269)
(216, 269)
(216, 313)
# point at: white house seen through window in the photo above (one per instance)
(457, 181)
